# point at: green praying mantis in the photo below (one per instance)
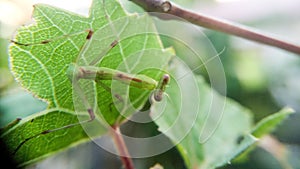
(75, 73)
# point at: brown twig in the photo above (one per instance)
(214, 23)
(122, 148)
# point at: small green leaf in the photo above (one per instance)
(26, 152)
(269, 123)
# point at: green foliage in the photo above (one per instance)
(268, 124)
(40, 147)
(207, 135)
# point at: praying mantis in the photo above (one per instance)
(76, 73)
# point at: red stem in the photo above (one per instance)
(121, 147)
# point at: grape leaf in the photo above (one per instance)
(40, 58)
(41, 147)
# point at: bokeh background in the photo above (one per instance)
(261, 78)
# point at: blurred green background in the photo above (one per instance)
(261, 78)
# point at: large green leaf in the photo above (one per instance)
(40, 59)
